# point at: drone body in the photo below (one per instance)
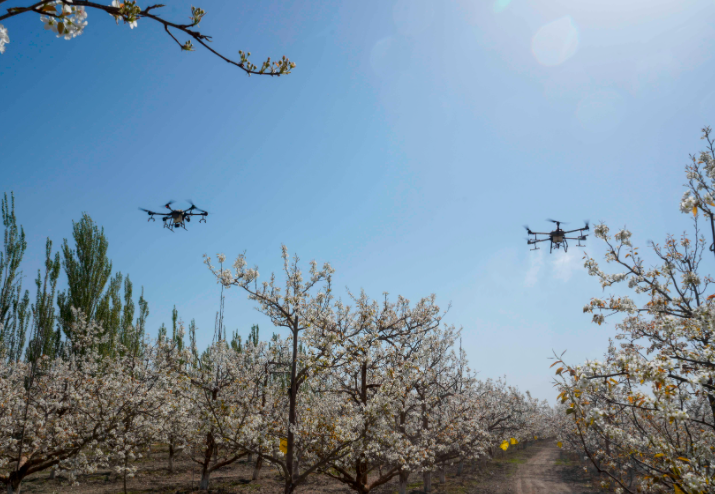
(557, 238)
(177, 218)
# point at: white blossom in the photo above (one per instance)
(4, 38)
(688, 202)
(601, 231)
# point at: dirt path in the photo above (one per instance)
(535, 469)
(542, 474)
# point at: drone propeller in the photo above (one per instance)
(193, 206)
(168, 204)
(588, 223)
(555, 221)
(527, 229)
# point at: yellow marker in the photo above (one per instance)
(504, 445)
(535, 438)
(284, 445)
(514, 441)
(559, 444)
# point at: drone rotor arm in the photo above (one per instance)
(152, 212)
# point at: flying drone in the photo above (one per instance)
(557, 237)
(176, 218)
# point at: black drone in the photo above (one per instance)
(176, 218)
(557, 237)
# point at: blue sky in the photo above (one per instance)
(409, 145)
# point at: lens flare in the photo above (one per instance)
(555, 42)
(501, 5)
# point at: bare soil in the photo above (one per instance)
(539, 468)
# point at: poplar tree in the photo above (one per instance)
(192, 341)
(14, 313)
(87, 268)
(132, 337)
(93, 290)
(45, 338)
(176, 337)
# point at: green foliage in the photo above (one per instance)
(162, 333)
(253, 335)
(45, 338)
(14, 313)
(88, 269)
(133, 336)
(109, 313)
(236, 342)
(192, 340)
(176, 335)
(88, 273)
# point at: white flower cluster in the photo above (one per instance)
(624, 237)
(128, 11)
(601, 231)
(4, 38)
(68, 21)
(688, 202)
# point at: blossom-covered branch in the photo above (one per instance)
(68, 19)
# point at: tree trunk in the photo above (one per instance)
(13, 487)
(53, 474)
(403, 482)
(171, 458)
(427, 476)
(289, 487)
(205, 473)
(257, 467)
(250, 457)
(205, 470)
(126, 461)
(460, 467)
(296, 470)
(442, 477)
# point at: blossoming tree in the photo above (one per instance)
(300, 307)
(645, 415)
(76, 413)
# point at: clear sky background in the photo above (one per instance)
(409, 146)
